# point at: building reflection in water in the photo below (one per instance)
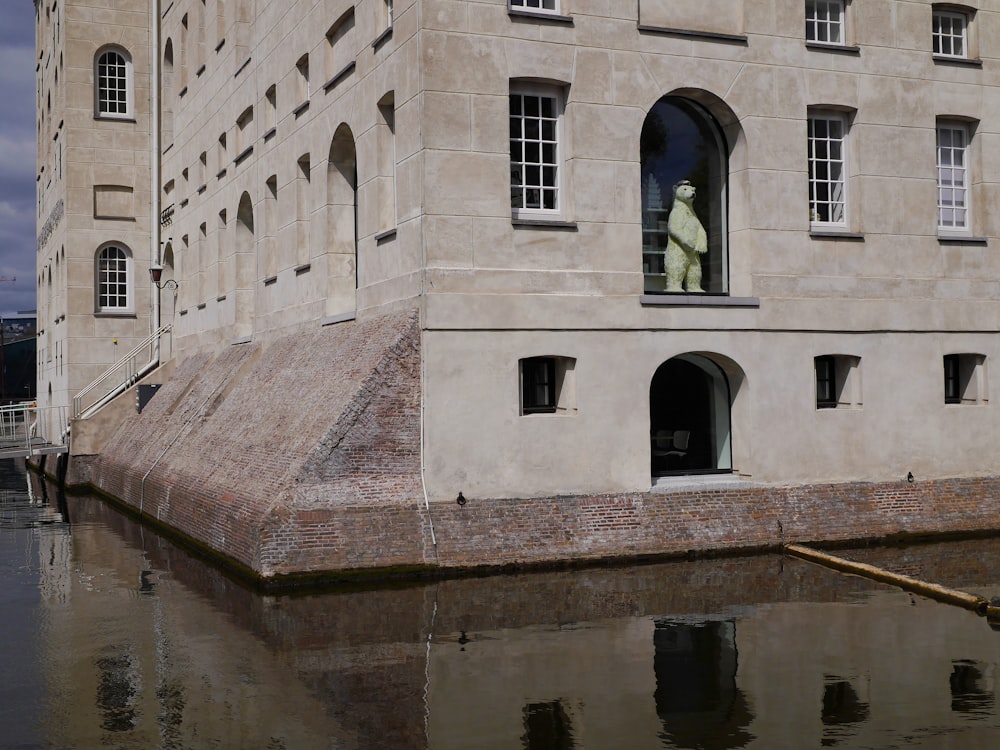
(696, 695)
(148, 647)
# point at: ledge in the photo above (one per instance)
(683, 299)
(114, 314)
(201, 69)
(844, 49)
(539, 15)
(330, 320)
(711, 36)
(962, 62)
(201, 305)
(182, 92)
(270, 133)
(960, 239)
(183, 203)
(544, 224)
(304, 268)
(301, 108)
(242, 67)
(382, 38)
(201, 189)
(241, 340)
(270, 280)
(220, 174)
(113, 118)
(386, 236)
(826, 234)
(339, 76)
(220, 298)
(243, 155)
(221, 44)
(183, 312)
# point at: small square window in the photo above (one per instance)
(825, 21)
(964, 379)
(950, 32)
(551, 6)
(547, 385)
(838, 381)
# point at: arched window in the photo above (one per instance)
(114, 84)
(114, 279)
(684, 169)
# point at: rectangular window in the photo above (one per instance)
(825, 21)
(826, 382)
(538, 385)
(950, 33)
(952, 389)
(543, 5)
(965, 379)
(827, 169)
(302, 79)
(534, 151)
(953, 176)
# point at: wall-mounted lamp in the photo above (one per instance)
(155, 273)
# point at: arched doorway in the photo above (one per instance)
(689, 417)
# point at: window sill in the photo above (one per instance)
(382, 38)
(201, 306)
(270, 134)
(330, 320)
(543, 224)
(270, 280)
(243, 155)
(539, 15)
(182, 312)
(201, 189)
(220, 174)
(183, 92)
(339, 76)
(201, 70)
(844, 49)
(710, 36)
(961, 239)
(833, 234)
(221, 298)
(221, 44)
(301, 108)
(683, 299)
(167, 147)
(963, 62)
(386, 236)
(114, 118)
(114, 314)
(242, 67)
(304, 268)
(183, 203)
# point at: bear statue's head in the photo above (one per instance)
(684, 191)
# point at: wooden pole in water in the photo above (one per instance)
(978, 604)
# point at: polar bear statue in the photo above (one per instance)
(686, 241)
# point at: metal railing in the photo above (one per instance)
(27, 429)
(121, 376)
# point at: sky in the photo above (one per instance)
(17, 155)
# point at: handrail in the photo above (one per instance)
(27, 429)
(117, 378)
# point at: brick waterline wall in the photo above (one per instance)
(300, 460)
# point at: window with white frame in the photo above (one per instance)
(953, 176)
(950, 32)
(551, 6)
(825, 21)
(114, 279)
(114, 84)
(535, 171)
(827, 169)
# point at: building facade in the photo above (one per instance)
(646, 245)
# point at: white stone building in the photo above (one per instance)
(507, 168)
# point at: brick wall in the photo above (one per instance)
(302, 456)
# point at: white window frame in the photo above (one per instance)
(522, 141)
(826, 21)
(114, 279)
(535, 6)
(123, 74)
(955, 35)
(954, 194)
(828, 166)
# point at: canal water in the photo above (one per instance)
(114, 638)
